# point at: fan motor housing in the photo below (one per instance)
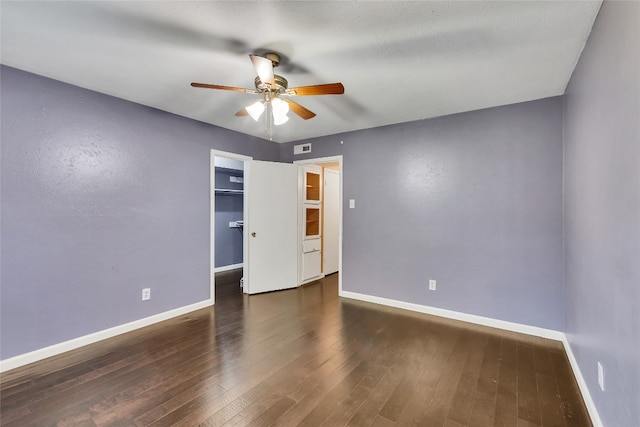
(281, 85)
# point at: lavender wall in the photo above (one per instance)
(602, 212)
(472, 200)
(100, 198)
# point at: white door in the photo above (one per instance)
(272, 199)
(331, 234)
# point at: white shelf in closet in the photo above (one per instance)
(228, 192)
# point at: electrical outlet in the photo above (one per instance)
(600, 376)
(432, 285)
(146, 294)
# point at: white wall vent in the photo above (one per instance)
(302, 148)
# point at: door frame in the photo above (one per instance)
(212, 214)
(320, 160)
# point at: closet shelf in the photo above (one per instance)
(226, 191)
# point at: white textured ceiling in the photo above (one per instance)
(398, 61)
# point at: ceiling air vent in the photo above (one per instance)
(302, 148)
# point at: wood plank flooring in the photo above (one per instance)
(300, 357)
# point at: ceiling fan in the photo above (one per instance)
(275, 91)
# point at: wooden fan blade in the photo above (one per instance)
(242, 112)
(264, 68)
(326, 89)
(231, 88)
(299, 109)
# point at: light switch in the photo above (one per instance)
(352, 203)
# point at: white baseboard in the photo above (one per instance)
(227, 267)
(582, 384)
(56, 349)
(456, 315)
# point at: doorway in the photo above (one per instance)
(228, 216)
(272, 175)
(330, 235)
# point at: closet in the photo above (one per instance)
(229, 189)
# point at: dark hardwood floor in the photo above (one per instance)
(300, 357)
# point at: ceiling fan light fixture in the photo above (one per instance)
(255, 110)
(271, 86)
(280, 120)
(280, 110)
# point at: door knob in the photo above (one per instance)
(253, 234)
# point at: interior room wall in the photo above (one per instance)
(472, 200)
(100, 198)
(602, 212)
